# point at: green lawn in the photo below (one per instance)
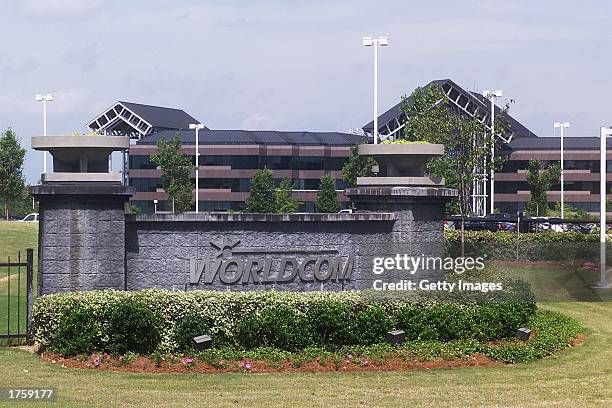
(15, 237)
(578, 377)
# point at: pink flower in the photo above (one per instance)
(365, 363)
(247, 365)
(97, 361)
(106, 356)
(187, 360)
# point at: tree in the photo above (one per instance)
(22, 205)
(262, 197)
(11, 169)
(284, 200)
(427, 115)
(539, 182)
(176, 170)
(327, 200)
(356, 166)
(467, 143)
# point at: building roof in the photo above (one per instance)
(137, 120)
(470, 102)
(249, 137)
(161, 117)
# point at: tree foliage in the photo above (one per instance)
(262, 197)
(466, 140)
(356, 166)
(427, 115)
(539, 181)
(283, 197)
(327, 200)
(11, 169)
(176, 170)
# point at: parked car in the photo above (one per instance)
(33, 217)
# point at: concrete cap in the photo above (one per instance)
(411, 149)
(81, 142)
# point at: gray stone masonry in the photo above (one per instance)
(81, 238)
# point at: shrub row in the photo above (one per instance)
(552, 332)
(542, 246)
(165, 321)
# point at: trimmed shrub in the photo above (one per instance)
(124, 325)
(542, 246)
(132, 326)
(279, 327)
(165, 321)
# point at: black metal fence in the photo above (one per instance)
(16, 298)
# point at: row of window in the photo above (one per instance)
(511, 187)
(255, 162)
(234, 184)
(512, 166)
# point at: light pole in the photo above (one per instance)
(375, 42)
(197, 127)
(604, 132)
(155, 206)
(491, 95)
(44, 99)
(562, 126)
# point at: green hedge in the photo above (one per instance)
(165, 321)
(542, 246)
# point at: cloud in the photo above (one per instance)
(257, 121)
(12, 65)
(85, 56)
(60, 9)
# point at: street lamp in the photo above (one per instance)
(562, 126)
(604, 132)
(155, 206)
(197, 127)
(491, 95)
(44, 99)
(375, 42)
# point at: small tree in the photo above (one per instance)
(539, 182)
(11, 169)
(262, 197)
(467, 143)
(327, 200)
(356, 166)
(427, 115)
(284, 200)
(176, 170)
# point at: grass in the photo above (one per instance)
(15, 237)
(578, 377)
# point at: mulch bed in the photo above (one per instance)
(148, 365)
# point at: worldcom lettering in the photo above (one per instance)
(267, 270)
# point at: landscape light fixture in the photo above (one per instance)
(564, 125)
(491, 95)
(155, 206)
(396, 337)
(523, 334)
(375, 42)
(44, 99)
(202, 342)
(197, 127)
(604, 132)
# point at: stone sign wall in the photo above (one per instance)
(87, 243)
(268, 251)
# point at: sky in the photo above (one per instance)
(298, 65)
